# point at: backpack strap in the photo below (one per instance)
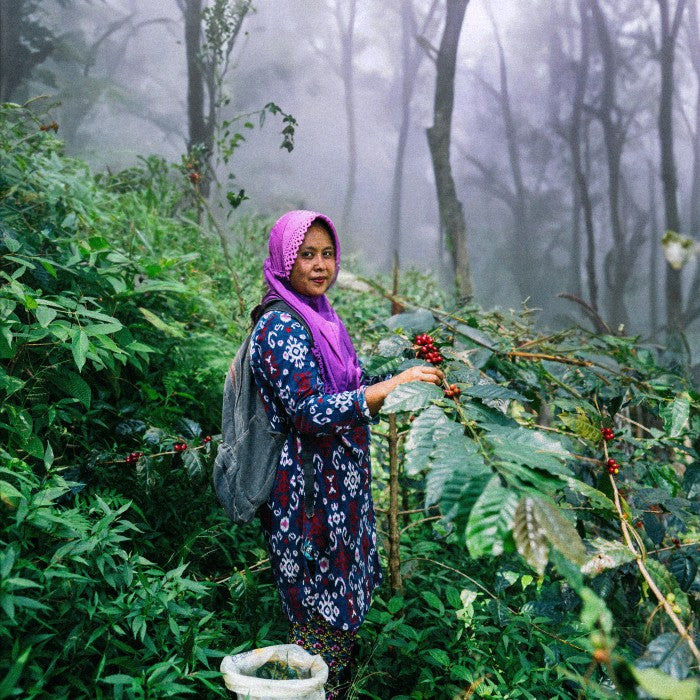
(306, 454)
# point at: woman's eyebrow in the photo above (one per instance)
(307, 246)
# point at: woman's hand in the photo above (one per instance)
(375, 394)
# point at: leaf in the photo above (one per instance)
(608, 555)
(377, 365)
(595, 497)
(475, 335)
(531, 447)
(675, 415)
(411, 396)
(79, 347)
(433, 601)
(530, 537)
(539, 524)
(392, 346)
(154, 436)
(160, 324)
(684, 570)
(130, 426)
(103, 328)
(189, 428)
(490, 520)
(9, 682)
(668, 653)
(419, 443)
(420, 321)
(594, 612)
(193, 463)
(73, 385)
(561, 534)
(454, 454)
(461, 491)
(664, 687)
(493, 392)
(440, 656)
(44, 315)
(581, 424)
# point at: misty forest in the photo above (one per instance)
(516, 186)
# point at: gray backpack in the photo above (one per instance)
(250, 449)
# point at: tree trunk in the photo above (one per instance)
(653, 255)
(408, 32)
(575, 144)
(617, 270)
(24, 44)
(197, 125)
(452, 219)
(347, 44)
(395, 581)
(411, 56)
(522, 263)
(7, 10)
(694, 54)
(669, 32)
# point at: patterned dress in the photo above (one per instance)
(326, 564)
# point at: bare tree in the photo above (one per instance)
(617, 264)
(25, 43)
(83, 94)
(669, 33)
(211, 32)
(574, 131)
(693, 34)
(452, 221)
(412, 38)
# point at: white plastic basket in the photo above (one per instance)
(239, 674)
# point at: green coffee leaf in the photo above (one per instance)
(411, 396)
(490, 520)
(668, 653)
(539, 524)
(420, 440)
(675, 415)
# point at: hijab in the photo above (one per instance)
(332, 346)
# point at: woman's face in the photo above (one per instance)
(314, 267)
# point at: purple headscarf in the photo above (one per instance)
(333, 347)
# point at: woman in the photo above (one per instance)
(324, 558)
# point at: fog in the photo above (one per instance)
(118, 76)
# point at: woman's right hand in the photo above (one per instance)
(375, 394)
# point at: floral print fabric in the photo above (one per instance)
(326, 564)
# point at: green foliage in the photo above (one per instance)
(119, 574)
(518, 462)
(118, 318)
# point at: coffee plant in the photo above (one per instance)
(576, 453)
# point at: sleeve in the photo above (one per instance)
(283, 363)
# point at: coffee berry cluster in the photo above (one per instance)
(180, 446)
(427, 349)
(452, 391)
(133, 457)
(613, 466)
(607, 433)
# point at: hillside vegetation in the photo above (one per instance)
(547, 542)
